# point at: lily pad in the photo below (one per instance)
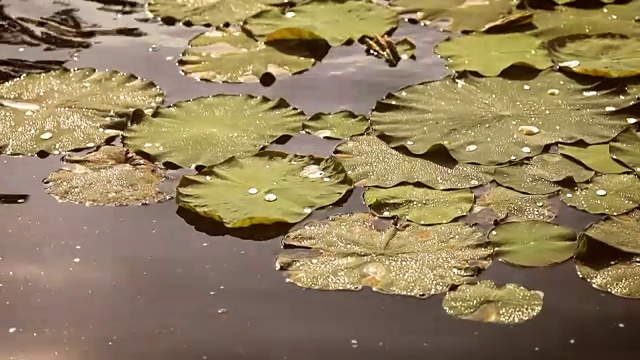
(270, 187)
(209, 130)
(502, 119)
(419, 204)
(490, 54)
(347, 252)
(337, 21)
(620, 232)
(485, 302)
(533, 243)
(64, 109)
(232, 56)
(611, 194)
(207, 12)
(595, 157)
(371, 162)
(109, 176)
(513, 206)
(605, 55)
(626, 148)
(339, 125)
(537, 175)
(462, 15)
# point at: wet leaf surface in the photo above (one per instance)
(207, 12)
(339, 125)
(595, 157)
(486, 302)
(620, 232)
(64, 109)
(626, 148)
(610, 194)
(510, 206)
(347, 252)
(209, 130)
(270, 187)
(533, 243)
(419, 204)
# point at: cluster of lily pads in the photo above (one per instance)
(493, 145)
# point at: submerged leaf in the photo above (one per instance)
(232, 56)
(533, 243)
(484, 301)
(595, 157)
(502, 119)
(419, 204)
(514, 206)
(337, 21)
(490, 54)
(346, 252)
(207, 12)
(109, 176)
(64, 110)
(339, 125)
(209, 130)
(611, 194)
(371, 162)
(626, 148)
(620, 232)
(270, 187)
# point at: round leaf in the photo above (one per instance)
(347, 252)
(611, 194)
(267, 188)
(207, 131)
(208, 12)
(514, 206)
(620, 232)
(419, 204)
(64, 110)
(501, 119)
(626, 148)
(533, 243)
(340, 125)
(485, 302)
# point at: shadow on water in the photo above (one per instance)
(139, 283)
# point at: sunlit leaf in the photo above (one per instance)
(595, 157)
(611, 194)
(626, 148)
(514, 206)
(340, 125)
(211, 12)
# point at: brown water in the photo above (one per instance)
(143, 283)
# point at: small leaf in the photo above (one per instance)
(513, 206)
(207, 12)
(595, 157)
(620, 232)
(339, 125)
(626, 148)
(611, 194)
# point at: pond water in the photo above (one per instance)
(144, 283)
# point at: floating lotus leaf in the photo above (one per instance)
(511, 22)
(533, 243)
(501, 119)
(490, 54)
(462, 14)
(347, 252)
(371, 162)
(419, 204)
(626, 148)
(208, 12)
(109, 176)
(595, 157)
(611, 194)
(514, 206)
(605, 55)
(64, 109)
(566, 21)
(620, 231)
(337, 21)
(537, 175)
(234, 57)
(209, 130)
(269, 187)
(340, 125)
(485, 302)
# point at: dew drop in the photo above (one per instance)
(553, 92)
(589, 93)
(307, 210)
(569, 195)
(147, 145)
(409, 142)
(621, 325)
(354, 343)
(474, 182)
(326, 179)
(28, 113)
(610, 108)
(570, 63)
(270, 197)
(253, 191)
(601, 192)
(526, 87)
(526, 150)
(289, 14)
(76, 260)
(208, 178)
(528, 130)
(472, 147)
(46, 136)
(12, 330)
(632, 120)
(222, 311)
(312, 171)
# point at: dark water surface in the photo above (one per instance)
(142, 283)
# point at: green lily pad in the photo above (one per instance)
(462, 14)
(537, 175)
(209, 130)
(502, 119)
(611, 194)
(626, 148)
(64, 109)
(208, 12)
(595, 157)
(513, 206)
(604, 55)
(567, 21)
(109, 176)
(620, 232)
(269, 187)
(533, 243)
(485, 302)
(371, 162)
(232, 56)
(337, 21)
(490, 54)
(347, 252)
(419, 204)
(340, 125)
